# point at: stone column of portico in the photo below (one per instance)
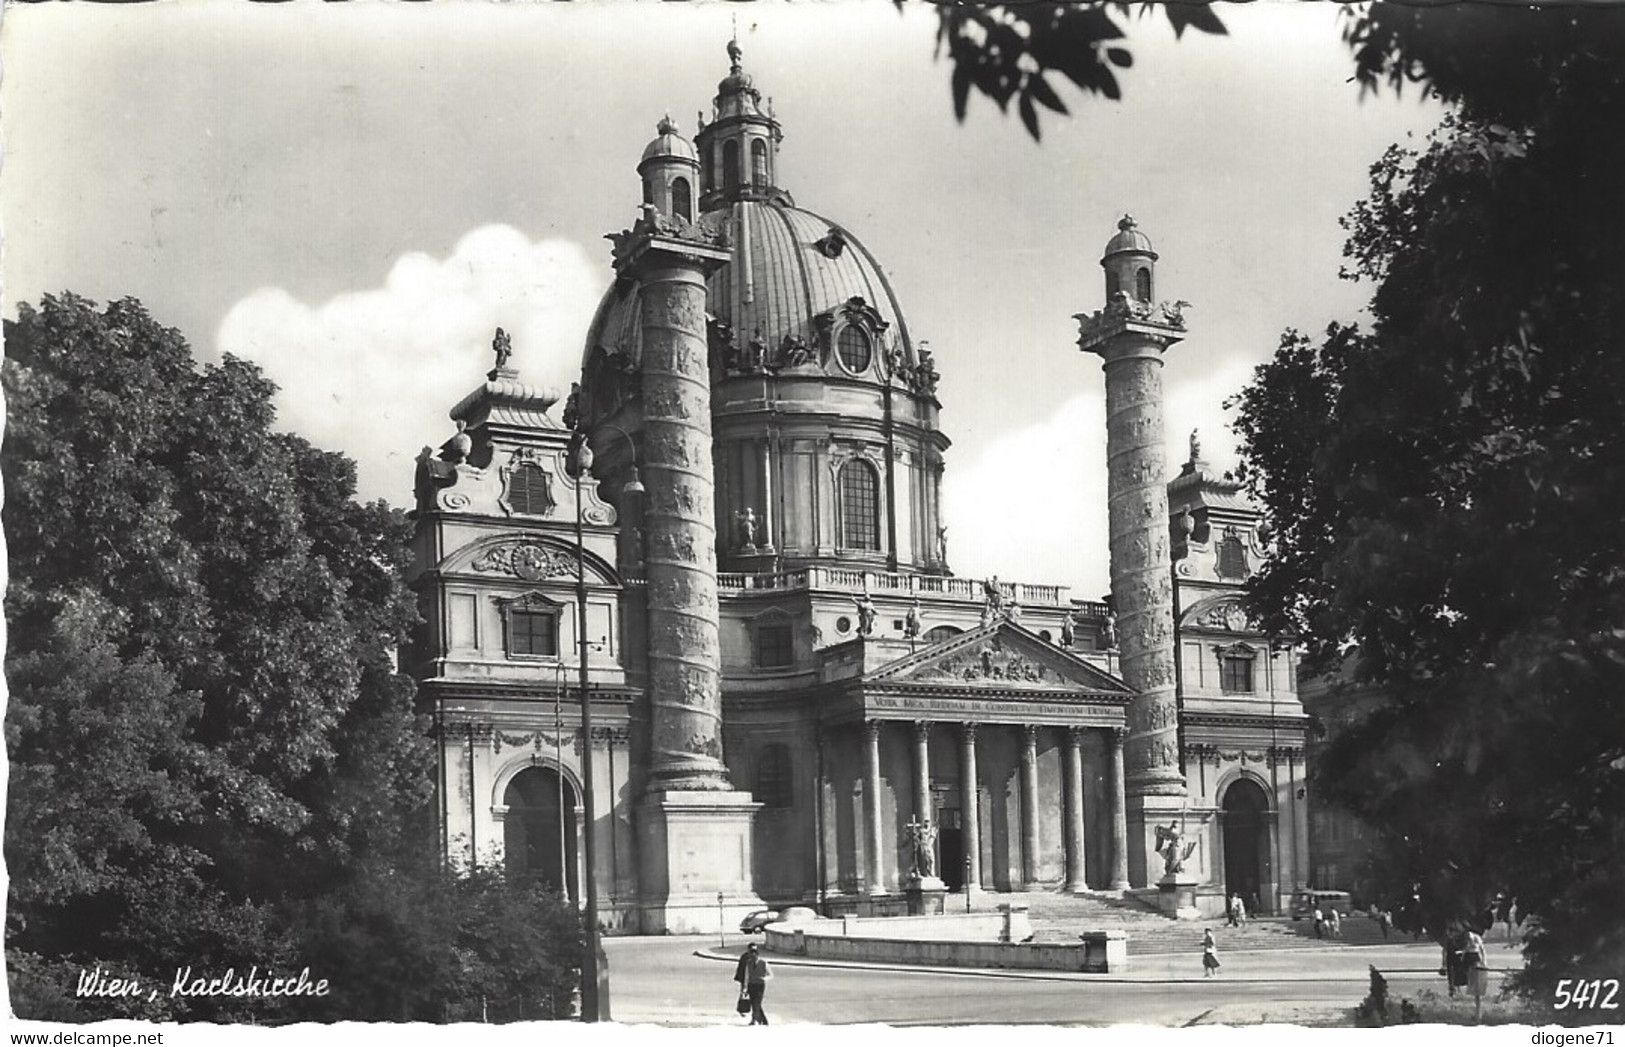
(1076, 879)
(871, 808)
(1131, 335)
(970, 807)
(1300, 818)
(1029, 805)
(1114, 738)
(922, 771)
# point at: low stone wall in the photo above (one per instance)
(948, 941)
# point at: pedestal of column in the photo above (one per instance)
(694, 851)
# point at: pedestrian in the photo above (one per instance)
(1336, 923)
(1231, 909)
(1210, 954)
(752, 974)
(1320, 923)
(1252, 904)
(1241, 911)
(1385, 920)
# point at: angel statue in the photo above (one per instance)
(1173, 848)
(923, 835)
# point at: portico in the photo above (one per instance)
(1010, 746)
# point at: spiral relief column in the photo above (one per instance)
(694, 828)
(1131, 334)
(685, 656)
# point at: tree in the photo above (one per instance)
(1006, 51)
(1442, 485)
(211, 753)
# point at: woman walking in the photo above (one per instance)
(1210, 954)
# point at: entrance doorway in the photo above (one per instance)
(1246, 842)
(539, 832)
(950, 848)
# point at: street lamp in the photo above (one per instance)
(590, 964)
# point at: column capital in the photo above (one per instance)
(1029, 733)
(1074, 735)
(1117, 736)
(922, 730)
(872, 728)
(967, 730)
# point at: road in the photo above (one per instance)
(662, 980)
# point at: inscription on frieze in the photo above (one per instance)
(935, 708)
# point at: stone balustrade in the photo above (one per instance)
(848, 580)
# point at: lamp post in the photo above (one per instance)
(590, 964)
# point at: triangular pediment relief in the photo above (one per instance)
(1001, 656)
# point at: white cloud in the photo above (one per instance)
(1032, 506)
(373, 373)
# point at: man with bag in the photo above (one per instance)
(752, 974)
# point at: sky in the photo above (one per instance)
(355, 196)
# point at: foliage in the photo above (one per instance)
(212, 758)
(428, 946)
(1005, 51)
(1442, 486)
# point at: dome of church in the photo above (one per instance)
(792, 273)
(1129, 238)
(668, 143)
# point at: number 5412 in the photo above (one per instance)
(1583, 994)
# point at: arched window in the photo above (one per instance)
(530, 490)
(852, 345)
(758, 162)
(860, 506)
(730, 164)
(1113, 284)
(1142, 284)
(774, 780)
(941, 633)
(682, 199)
(708, 170)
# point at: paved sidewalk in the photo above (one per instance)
(1411, 961)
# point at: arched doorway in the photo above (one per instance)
(539, 831)
(1247, 844)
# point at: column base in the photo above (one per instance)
(694, 857)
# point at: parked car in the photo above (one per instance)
(755, 921)
(1304, 903)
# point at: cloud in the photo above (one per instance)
(373, 373)
(1031, 507)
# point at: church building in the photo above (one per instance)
(793, 699)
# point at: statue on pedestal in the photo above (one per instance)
(923, 837)
(1173, 848)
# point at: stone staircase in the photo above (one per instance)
(1058, 917)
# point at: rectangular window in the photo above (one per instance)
(1236, 674)
(533, 633)
(774, 649)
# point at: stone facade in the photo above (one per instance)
(784, 674)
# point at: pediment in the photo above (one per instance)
(1224, 613)
(1001, 656)
(525, 558)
